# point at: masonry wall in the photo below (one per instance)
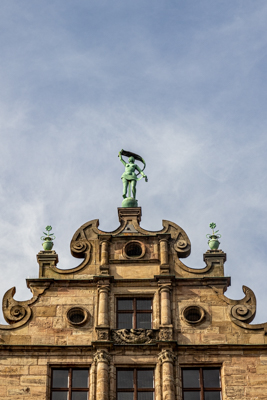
(27, 377)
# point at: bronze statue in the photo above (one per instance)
(129, 177)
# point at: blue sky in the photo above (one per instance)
(183, 83)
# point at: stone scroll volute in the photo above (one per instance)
(18, 313)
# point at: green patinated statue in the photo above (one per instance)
(129, 177)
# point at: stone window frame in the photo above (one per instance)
(201, 389)
(135, 311)
(135, 390)
(69, 389)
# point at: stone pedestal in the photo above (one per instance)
(215, 260)
(46, 260)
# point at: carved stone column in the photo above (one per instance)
(157, 382)
(164, 256)
(103, 305)
(112, 378)
(166, 357)
(165, 305)
(104, 265)
(102, 359)
(92, 382)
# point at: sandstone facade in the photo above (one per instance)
(72, 319)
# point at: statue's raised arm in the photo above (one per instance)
(120, 156)
(129, 177)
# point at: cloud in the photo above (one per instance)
(183, 85)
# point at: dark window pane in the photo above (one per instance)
(145, 395)
(60, 378)
(125, 321)
(191, 395)
(59, 395)
(144, 304)
(79, 396)
(125, 379)
(80, 378)
(145, 379)
(125, 396)
(143, 321)
(211, 378)
(212, 395)
(125, 304)
(191, 378)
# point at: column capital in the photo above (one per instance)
(165, 287)
(102, 356)
(103, 288)
(166, 356)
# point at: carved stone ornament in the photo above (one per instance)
(182, 245)
(166, 356)
(133, 336)
(242, 312)
(102, 334)
(17, 313)
(102, 356)
(165, 334)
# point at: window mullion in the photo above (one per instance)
(135, 384)
(201, 384)
(70, 382)
(134, 313)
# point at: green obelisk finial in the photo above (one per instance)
(129, 177)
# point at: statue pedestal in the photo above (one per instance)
(129, 202)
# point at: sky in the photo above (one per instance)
(182, 83)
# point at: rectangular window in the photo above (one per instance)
(135, 384)
(134, 313)
(201, 383)
(70, 384)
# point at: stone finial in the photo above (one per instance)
(213, 238)
(48, 244)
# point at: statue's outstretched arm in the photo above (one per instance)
(141, 172)
(122, 160)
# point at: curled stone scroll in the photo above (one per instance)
(243, 311)
(17, 313)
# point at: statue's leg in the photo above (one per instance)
(125, 187)
(133, 184)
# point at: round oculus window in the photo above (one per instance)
(193, 314)
(77, 316)
(134, 250)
